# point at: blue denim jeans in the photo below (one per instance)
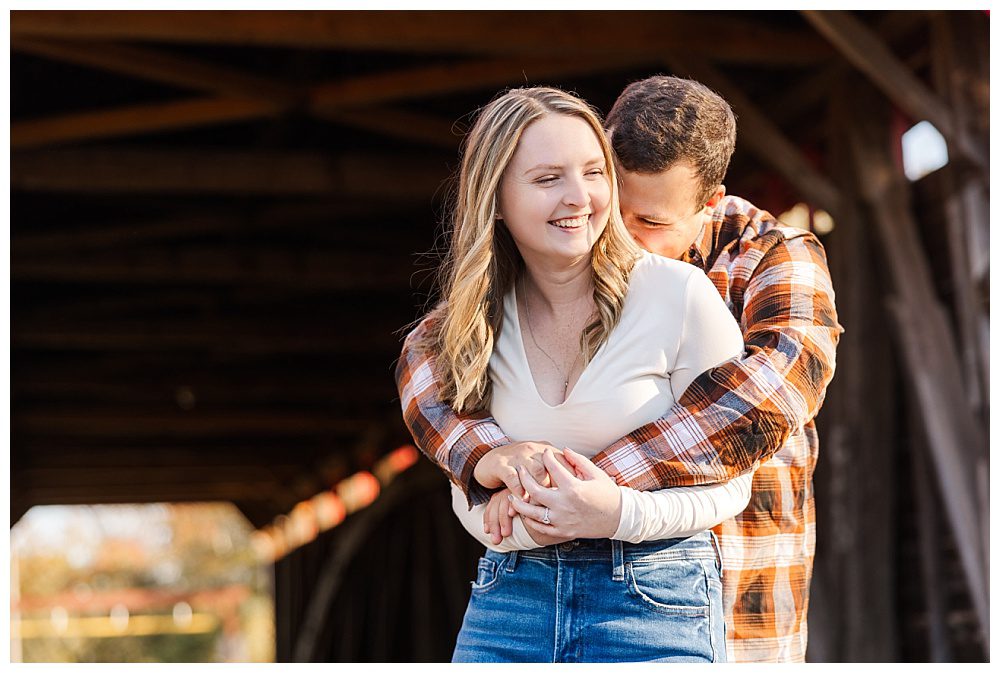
(597, 601)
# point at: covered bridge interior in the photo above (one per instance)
(219, 223)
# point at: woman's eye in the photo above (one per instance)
(546, 179)
(596, 171)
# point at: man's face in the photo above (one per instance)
(662, 211)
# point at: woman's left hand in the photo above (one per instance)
(584, 505)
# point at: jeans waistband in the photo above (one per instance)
(700, 545)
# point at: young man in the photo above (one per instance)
(674, 139)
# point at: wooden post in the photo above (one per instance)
(932, 364)
(928, 523)
(857, 469)
(963, 219)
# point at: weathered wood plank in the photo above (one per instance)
(387, 177)
(139, 119)
(928, 523)
(483, 32)
(134, 426)
(213, 266)
(159, 66)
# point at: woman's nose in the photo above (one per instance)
(576, 193)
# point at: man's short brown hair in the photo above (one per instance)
(660, 121)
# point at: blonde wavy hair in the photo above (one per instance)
(482, 262)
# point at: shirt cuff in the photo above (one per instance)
(466, 453)
(626, 521)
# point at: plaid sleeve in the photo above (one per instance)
(454, 443)
(744, 410)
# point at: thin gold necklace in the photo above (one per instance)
(531, 333)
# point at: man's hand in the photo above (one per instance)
(586, 504)
(499, 467)
(498, 517)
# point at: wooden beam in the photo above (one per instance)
(466, 76)
(112, 425)
(139, 119)
(261, 267)
(234, 337)
(346, 392)
(332, 99)
(929, 541)
(758, 133)
(863, 48)
(257, 98)
(384, 177)
(163, 67)
(330, 222)
(483, 32)
(31, 495)
(232, 341)
(955, 437)
(967, 212)
(402, 124)
(858, 484)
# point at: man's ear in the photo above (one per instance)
(717, 196)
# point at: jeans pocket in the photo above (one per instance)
(487, 575)
(676, 587)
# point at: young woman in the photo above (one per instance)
(559, 326)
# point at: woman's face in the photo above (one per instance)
(554, 196)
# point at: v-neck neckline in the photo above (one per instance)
(527, 365)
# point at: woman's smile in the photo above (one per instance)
(572, 223)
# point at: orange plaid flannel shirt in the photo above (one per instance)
(761, 407)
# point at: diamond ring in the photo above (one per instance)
(545, 517)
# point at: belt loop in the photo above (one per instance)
(718, 553)
(617, 561)
(512, 561)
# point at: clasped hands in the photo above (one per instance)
(582, 501)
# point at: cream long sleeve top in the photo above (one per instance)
(674, 326)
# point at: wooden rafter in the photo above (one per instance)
(387, 177)
(482, 32)
(159, 66)
(863, 48)
(360, 390)
(338, 100)
(139, 119)
(231, 338)
(353, 271)
(317, 216)
(201, 425)
(402, 124)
